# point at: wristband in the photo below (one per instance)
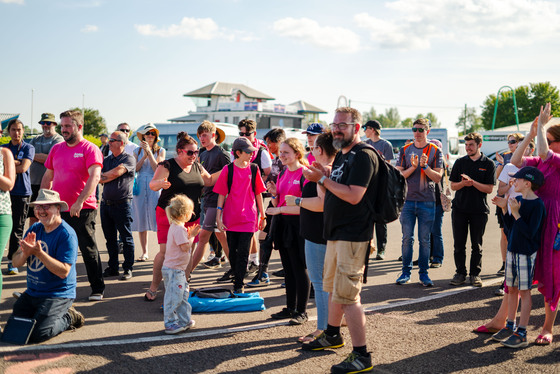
(424, 167)
(500, 164)
(298, 201)
(322, 181)
(263, 218)
(273, 197)
(220, 208)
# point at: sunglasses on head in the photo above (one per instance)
(151, 133)
(189, 152)
(241, 133)
(512, 141)
(419, 129)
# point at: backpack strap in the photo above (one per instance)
(254, 171)
(230, 176)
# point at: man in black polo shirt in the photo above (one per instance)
(473, 177)
(117, 175)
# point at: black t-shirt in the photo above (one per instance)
(213, 160)
(119, 188)
(188, 184)
(311, 223)
(469, 199)
(344, 221)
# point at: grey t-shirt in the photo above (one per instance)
(42, 145)
(420, 187)
(384, 147)
(213, 160)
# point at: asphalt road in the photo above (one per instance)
(410, 328)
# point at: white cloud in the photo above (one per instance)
(19, 2)
(480, 22)
(195, 28)
(309, 31)
(89, 28)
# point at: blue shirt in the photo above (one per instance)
(60, 244)
(22, 151)
(524, 234)
(119, 188)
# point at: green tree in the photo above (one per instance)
(529, 99)
(409, 121)
(390, 118)
(370, 115)
(94, 124)
(469, 121)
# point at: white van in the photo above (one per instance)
(168, 135)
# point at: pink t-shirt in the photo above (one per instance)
(310, 158)
(240, 209)
(175, 258)
(70, 166)
(288, 184)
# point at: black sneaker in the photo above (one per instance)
(323, 341)
(227, 277)
(283, 314)
(126, 275)
(280, 273)
(110, 273)
(298, 318)
(516, 341)
(238, 290)
(502, 270)
(77, 319)
(214, 263)
(252, 268)
(458, 279)
(476, 281)
(354, 363)
(380, 255)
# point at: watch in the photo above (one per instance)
(322, 180)
(298, 201)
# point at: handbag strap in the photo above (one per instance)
(446, 178)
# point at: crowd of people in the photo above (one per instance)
(318, 217)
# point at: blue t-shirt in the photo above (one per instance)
(22, 151)
(61, 244)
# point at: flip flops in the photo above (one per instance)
(485, 330)
(543, 340)
(153, 295)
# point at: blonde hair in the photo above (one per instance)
(180, 208)
(555, 132)
(296, 145)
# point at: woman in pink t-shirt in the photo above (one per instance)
(236, 209)
(286, 232)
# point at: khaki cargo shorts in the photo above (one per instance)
(344, 268)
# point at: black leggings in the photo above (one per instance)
(292, 253)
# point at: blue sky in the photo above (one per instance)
(133, 60)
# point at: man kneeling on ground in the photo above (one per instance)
(50, 248)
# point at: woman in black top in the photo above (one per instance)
(311, 229)
(179, 175)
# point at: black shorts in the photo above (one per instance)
(34, 193)
(500, 217)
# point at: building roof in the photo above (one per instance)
(190, 118)
(304, 107)
(526, 126)
(6, 117)
(227, 89)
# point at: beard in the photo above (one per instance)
(70, 138)
(339, 143)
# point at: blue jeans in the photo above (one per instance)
(51, 315)
(437, 236)
(315, 260)
(176, 307)
(118, 218)
(424, 211)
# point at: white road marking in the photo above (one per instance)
(259, 326)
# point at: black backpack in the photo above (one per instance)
(391, 191)
(254, 171)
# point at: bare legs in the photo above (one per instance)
(156, 274)
(143, 235)
(203, 238)
(355, 318)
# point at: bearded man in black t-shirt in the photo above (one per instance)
(348, 229)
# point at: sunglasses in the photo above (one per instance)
(248, 152)
(124, 130)
(245, 133)
(151, 133)
(114, 140)
(189, 152)
(550, 141)
(512, 141)
(419, 129)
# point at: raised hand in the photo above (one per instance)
(545, 115)
(414, 161)
(499, 158)
(271, 188)
(500, 201)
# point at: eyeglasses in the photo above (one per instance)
(124, 130)
(512, 141)
(241, 133)
(150, 133)
(341, 126)
(189, 152)
(114, 140)
(43, 207)
(419, 129)
(550, 141)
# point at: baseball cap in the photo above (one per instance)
(243, 144)
(374, 124)
(530, 173)
(314, 129)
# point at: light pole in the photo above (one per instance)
(514, 107)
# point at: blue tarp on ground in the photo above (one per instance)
(245, 302)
